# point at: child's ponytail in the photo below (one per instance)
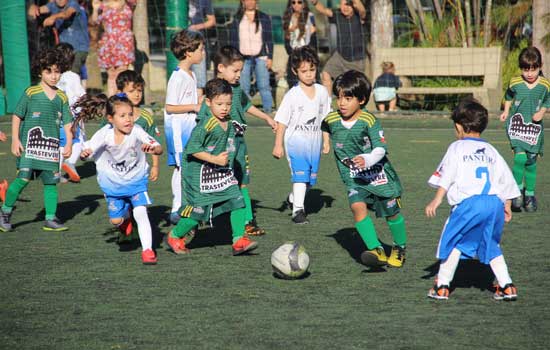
(89, 107)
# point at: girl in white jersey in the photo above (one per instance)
(122, 170)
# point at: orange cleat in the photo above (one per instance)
(148, 257)
(176, 244)
(71, 171)
(3, 189)
(243, 245)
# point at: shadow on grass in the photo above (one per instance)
(314, 202)
(470, 273)
(66, 211)
(86, 169)
(349, 239)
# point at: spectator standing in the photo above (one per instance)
(201, 18)
(350, 51)
(116, 46)
(251, 33)
(71, 22)
(299, 26)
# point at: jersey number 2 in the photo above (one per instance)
(479, 174)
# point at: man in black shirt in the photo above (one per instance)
(350, 51)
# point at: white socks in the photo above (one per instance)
(447, 268)
(298, 196)
(500, 269)
(144, 227)
(176, 189)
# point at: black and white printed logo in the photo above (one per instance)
(525, 132)
(40, 147)
(374, 175)
(216, 179)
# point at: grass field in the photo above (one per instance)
(76, 290)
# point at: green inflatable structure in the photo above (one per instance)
(176, 20)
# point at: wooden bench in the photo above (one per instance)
(447, 62)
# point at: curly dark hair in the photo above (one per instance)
(303, 54)
(89, 107)
(129, 76)
(302, 20)
(66, 51)
(185, 41)
(45, 60)
(471, 115)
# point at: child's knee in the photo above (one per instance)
(359, 211)
(116, 221)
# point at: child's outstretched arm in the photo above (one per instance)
(366, 160)
(152, 149)
(183, 108)
(256, 112)
(154, 173)
(434, 204)
(504, 115)
(326, 142)
(508, 210)
(16, 146)
(219, 159)
(278, 149)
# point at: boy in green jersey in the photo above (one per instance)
(35, 138)
(228, 63)
(209, 184)
(359, 147)
(526, 101)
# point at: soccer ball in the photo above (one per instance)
(290, 260)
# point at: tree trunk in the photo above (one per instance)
(142, 42)
(438, 10)
(540, 29)
(422, 19)
(477, 21)
(381, 27)
(414, 16)
(487, 25)
(461, 23)
(468, 13)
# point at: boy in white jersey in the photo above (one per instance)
(122, 170)
(182, 106)
(480, 188)
(299, 119)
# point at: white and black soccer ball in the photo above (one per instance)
(290, 260)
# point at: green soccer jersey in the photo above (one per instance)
(39, 129)
(362, 137)
(205, 183)
(147, 123)
(240, 103)
(525, 135)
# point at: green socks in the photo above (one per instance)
(50, 201)
(530, 179)
(518, 169)
(13, 192)
(237, 223)
(368, 234)
(183, 227)
(398, 230)
(249, 216)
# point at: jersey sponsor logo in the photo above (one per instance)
(240, 128)
(231, 145)
(198, 210)
(308, 126)
(391, 203)
(35, 114)
(374, 175)
(339, 145)
(40, 147)
(366, 140)
(215, 179)
(121, 167)
(524, 132)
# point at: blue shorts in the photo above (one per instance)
(303, 169)
(119, 206)
(475, 228)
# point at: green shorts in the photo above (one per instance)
(383, 207)
(48, 177)
(208, 212)
(531, 157)
(241, 166)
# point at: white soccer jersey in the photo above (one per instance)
(181, 90)
(303, 117)
(72, 86)
(122, 170)
(471, 167)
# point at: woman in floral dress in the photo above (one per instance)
(116, 46)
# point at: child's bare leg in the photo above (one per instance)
(393, 104)
(365, 226)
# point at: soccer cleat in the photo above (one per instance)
(176, 244)
(374, 258)
(507, 293)
(54, 225)
(439, 293)
(174, 218)
(289, 202)
(126, 227)
(148, 257)
(3, 189)
(397, 256)
(243, 245)
(300, 217)
(5, 225)
(530, 204)
(71, 171)
(516, 205)
(252, 229)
